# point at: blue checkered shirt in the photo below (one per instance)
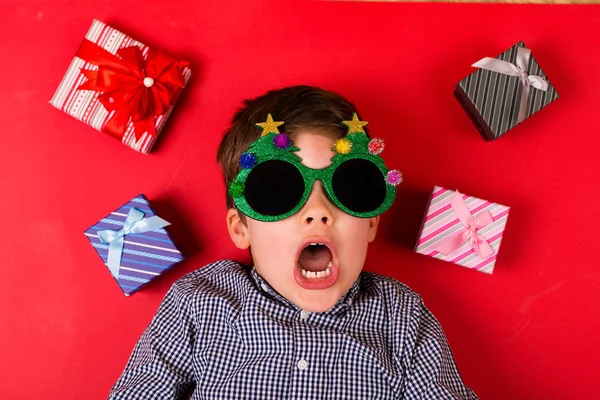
(222, 332)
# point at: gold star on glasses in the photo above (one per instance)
(356, 125)
(269, 126)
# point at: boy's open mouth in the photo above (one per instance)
(317, 265)
(315, 261)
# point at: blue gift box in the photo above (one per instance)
(134, 245)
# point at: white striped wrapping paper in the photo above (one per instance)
(441, 221)
(84, 104)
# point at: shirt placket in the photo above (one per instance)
(305, 374)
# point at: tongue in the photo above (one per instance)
(315, 258)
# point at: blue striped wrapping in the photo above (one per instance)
(492, 99)
(145, 255)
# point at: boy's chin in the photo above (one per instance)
(317, 302)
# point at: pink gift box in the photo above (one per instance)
(463, 230)
(120, 86)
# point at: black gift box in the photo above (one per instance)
(493, 100)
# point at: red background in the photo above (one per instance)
(528, 331)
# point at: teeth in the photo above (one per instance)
(316, 244)
(317, 274)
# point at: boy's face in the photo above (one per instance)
(314, 277)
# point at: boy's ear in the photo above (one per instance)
(373, 223)
(237, 230)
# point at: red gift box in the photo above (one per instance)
(122, 87)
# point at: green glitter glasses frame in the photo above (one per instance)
(273, 184)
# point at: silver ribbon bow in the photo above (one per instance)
(135, 223)
(520, 70)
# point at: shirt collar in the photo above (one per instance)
(340, 308)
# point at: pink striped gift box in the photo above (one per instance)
(463, 241)
(86, 95)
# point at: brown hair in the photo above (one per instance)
(300, 107)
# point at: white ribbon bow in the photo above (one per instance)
(520, 70)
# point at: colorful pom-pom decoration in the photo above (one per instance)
(282, 141)
(236, 189)
(376, 146)
(393, 177)
(343, 146)
(248, 160)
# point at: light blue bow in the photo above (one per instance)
(135, 223)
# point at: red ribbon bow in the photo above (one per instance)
(131, 87)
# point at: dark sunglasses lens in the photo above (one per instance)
(274, 188)
(359, 185)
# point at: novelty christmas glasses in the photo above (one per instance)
(273, 184)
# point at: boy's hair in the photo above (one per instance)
(300, 107)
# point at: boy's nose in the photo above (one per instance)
(318, 208)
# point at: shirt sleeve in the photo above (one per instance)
(160, 366)
(431, 372)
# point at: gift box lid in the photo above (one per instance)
(147, 252)
(88, 95)
(496, 97)
(441, 222)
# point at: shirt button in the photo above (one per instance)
(302, 365)
(349, 302)
(264, 287)
(304, 315)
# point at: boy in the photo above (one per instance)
(303, 322)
